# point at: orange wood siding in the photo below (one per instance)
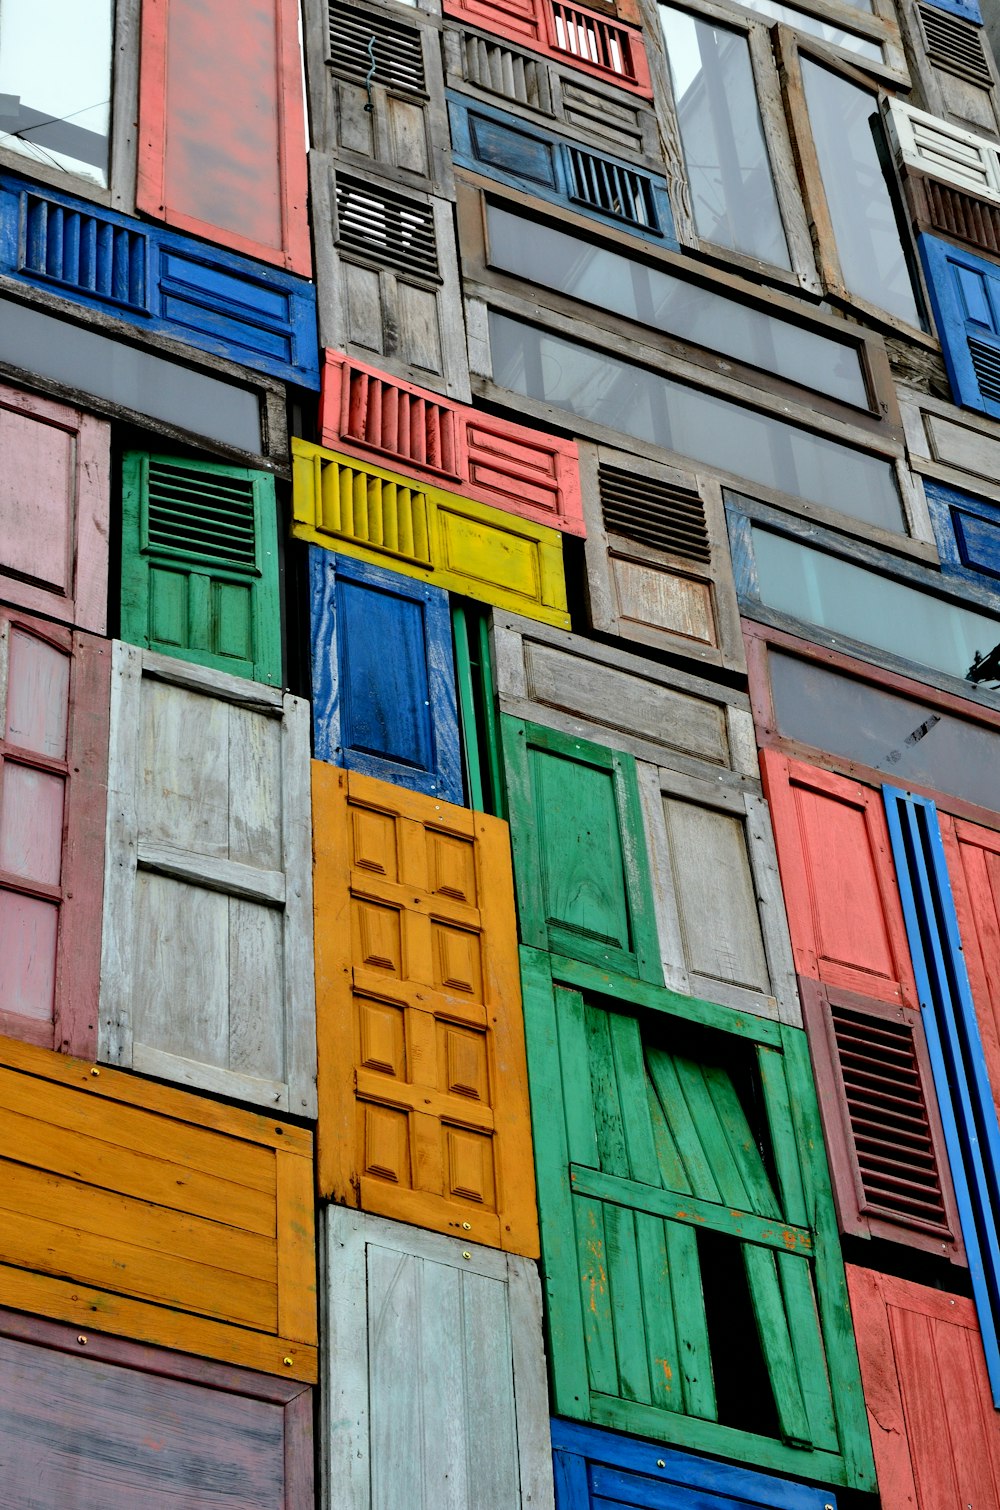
(973, 855)
(423, 1095)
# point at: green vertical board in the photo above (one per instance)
(664, 1144)
(200, 564)
(481, 758)
(580, 859)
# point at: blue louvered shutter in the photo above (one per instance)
(965, 298)
(383, 675)
(967, 9)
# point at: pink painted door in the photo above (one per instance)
(973, 855)
(54, 703)
(54, 498)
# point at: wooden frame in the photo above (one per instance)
(967, 99)
(968, 532)
(168, 1218)
(952, 445)
(457, 1386)
(208, 803)
(591, 40)
(126, 1444)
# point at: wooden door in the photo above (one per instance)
(844, 912)
(55, 490)
(434, 1372)
(54, 702)
(160, 1216)
(423, 1087)
(973, 855)
(206, 973)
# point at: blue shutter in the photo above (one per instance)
(600, 1470)
(160, 281)
(972, 1135)
(967, 530)
(608, 189)
(383, 675)
(967, 9)
(965, 297)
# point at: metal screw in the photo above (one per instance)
(661, 1464)
(288, 1363)
(82, 1340)
(466, 1253)
(95, 1070)
(466, 1226)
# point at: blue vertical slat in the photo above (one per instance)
(965, 1099)
(383, 675)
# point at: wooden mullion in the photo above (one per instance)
(810, 178)
(782, 160)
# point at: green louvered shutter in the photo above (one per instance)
(200, 564)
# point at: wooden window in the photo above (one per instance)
(880, 1119)
(595, 43)
(973, 857)
(467, 1412)
(591, 1465)
(144, 1426)
(935, 1431)
(840, 887)
(926, 144)
(528, 472)
(383, 675)
(53, 777)
(963, 1090)
(477, 709)
(167, 1218)
(424, 532)
(953, 64)
(967, 531)
(965, 296)
(207, 954)
(423, 1090)
(201, 82)
(693, 1273)
(200, 564)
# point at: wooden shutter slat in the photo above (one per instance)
(593, 43)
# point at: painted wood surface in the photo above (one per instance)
(160, 1216)
(967, 531)
(667, 1236)
(200, 563)
(580, 859)
(438, 537)
(54, 706)
(433, 1372)
(206, 974)
(222, 149)
(99, 1424)
(55, 492)
(965, 297)
(383, 675)
(422, 1081)
(840, 887)
(973, 856)
(364, 411)
(595, 43)
(935, 1432)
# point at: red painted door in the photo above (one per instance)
(844, 912)
(222, 148)
(973, 855)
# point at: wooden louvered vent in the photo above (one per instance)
(376, 223)
(612, 188)
(404, 424)
(986, 365)
(961, 215)
(654, 512)
(889, 1119)
(955, 45)
(593, 40)
(207, 515)
(83, 251)
(503, 71)
(360, 39)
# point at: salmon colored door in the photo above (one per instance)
(973, 855)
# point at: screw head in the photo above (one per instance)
(660, 1463)
(466, 1226)
(95, 1070)
(82, 1340)
(466, 1253)
(287, 1362)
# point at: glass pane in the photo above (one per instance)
(910, 741)
(732, 194)
(55, 95)
(847, 130)
(868, 606)
(609, 280)
(700, 425)
(849, 40)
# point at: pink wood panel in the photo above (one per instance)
(222, 149)
(100, 1424)
(525, 471)
(973, 855)
(53, 796)
(585, 39)
(54, 505)
(844, 911)
(935, 1433)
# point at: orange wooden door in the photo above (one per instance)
(423, 1096)
(973, 855)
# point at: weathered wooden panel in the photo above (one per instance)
(363, 411)
(222, 150)
(690, 1253)
(840, 887)
(595, 43)
(54, 697)
(423, 1089)
(206, 974)
(101, 1424)
(934, 1429)
(583, 882)
(168, 1218)
(55, 487)
(954, 445)
(383, 675)
(965, 297)
(423, 531)
(960, 158)
(973, 855)
(967, 531)
(434, 1372)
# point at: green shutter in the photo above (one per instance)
(695, 1286)
(481, 759)
(200, 563)
(580, 859)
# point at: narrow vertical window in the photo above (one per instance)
(55, 83)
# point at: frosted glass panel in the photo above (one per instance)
(55, 82)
